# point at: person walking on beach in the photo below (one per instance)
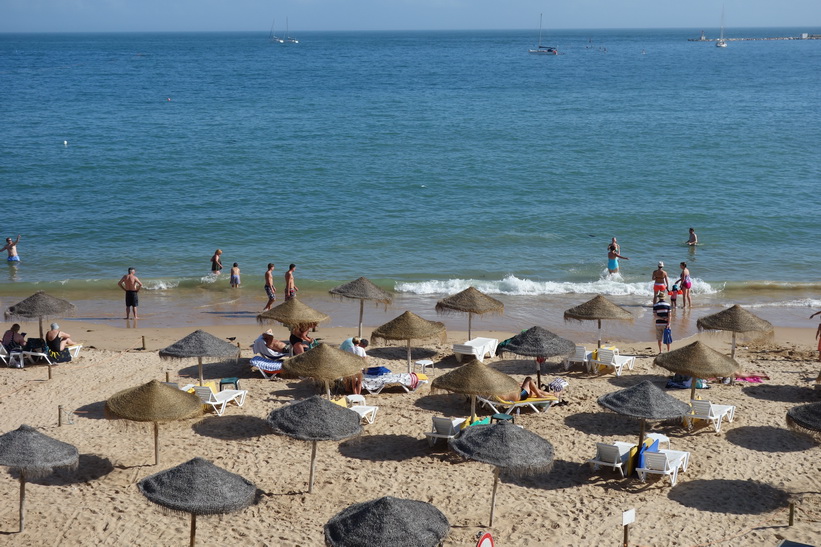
(290, 287)
(235, 276)
(693, 239)
(270, 290)
(11, 247)
(686, 283)
(661, 283)
(661, 312)
(131, 285)
(613, 257)
(216, 263)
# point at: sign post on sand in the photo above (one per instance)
(627, 518)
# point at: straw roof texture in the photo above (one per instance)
(698, 360)
(476, 378)
(154, 402)
(325, 363)
(597, 308)
(539, 342)
(199, 487)
(470, 300)
(199, 344)
(387, 521)
(806, 419)
(362, 289)
(35, 453)
(292, 313)
(315, 419)
(506, 446)
(644, 400)
(40, 305)
(734, 319)
(409, 326)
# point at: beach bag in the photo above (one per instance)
(36, 345)
(667, 338)
(557, 385)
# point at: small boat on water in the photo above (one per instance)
(288, 39)
(540, 49)
(721, 42)
(272, 37)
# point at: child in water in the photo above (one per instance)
(674, 296)
(235, 276)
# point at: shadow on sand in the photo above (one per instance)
(384, 448)
(737, 497)
(768, 439)
(232, 428)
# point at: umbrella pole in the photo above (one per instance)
(49, 371)
(313, 468)
(328, 389)
(692, 388)
(156, 443)
(472, 408)
(641, 432)
(22, 498)
(409, 357)
(493, 497)
(361, 314)
(193, 528)
(470, 322)
(41, 328)
(538, 373)
(199, 368)
(599, 320)
(732, 356)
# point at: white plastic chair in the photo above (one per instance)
(664, 463)
(705, 410)
(220, 400)
(612, 455)
(611, 358)
(581, 356)
(443, 428)
(357, 404)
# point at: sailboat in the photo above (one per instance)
(273, 37)
(288, 38)
(721, 42)
(540, 49)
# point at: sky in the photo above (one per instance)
(306, 15)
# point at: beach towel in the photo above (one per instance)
(268, 365)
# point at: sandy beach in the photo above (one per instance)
(735, 491)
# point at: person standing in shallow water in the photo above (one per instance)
(216, 262)
(693, 239)
(613, 257)
(131, 285)
(660, 282)
(11, 247)
(686, 283)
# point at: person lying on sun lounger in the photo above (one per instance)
(529, 390)
(269, 347)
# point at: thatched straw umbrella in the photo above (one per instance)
(697, 360)
(476, 378)
(597, 309)
(315, 419)
(806, 419)
(504, 446)
(362, 289)
(736, 320)
(34, 455)
(40, 305)
(470, 301)
(324, 364)
(200, 344)
(154, 402)
(292, 313)
(387, 521)
(198, 487)
(646, 402)
(410, 326)
(538, 342)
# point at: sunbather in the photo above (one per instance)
(529, 390)
(300, 339)
(58, 340)
(13, 339)
(269, 347)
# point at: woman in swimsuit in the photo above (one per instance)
(686, 283)
(661, 283)
(216, 263)
(613, 257)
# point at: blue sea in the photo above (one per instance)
(425, 161)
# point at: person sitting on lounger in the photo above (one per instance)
(269, 347)
(13, 339)
(529, 390)
(300, 339)
(58, 340)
